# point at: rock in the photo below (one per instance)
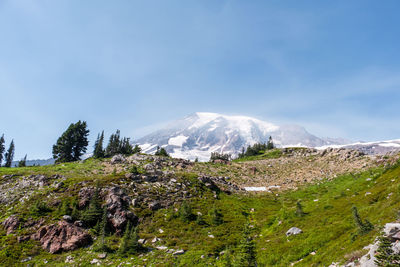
(85, 194)
(178, 252)
(118, 159)
(11, 224)
(26, 259)
(293, 231)
(69, 259)
(161, 231)
(102, 255)
(117, 202)
(21, 239)
(142, 241)
(162, 248)
(155, 206)
(78, 223)
(391, 229)
(62, 237)
(211, 236)
(67, 218)
(95, 261)
(155, 239)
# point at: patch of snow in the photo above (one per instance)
(177, 140)
(254, 188)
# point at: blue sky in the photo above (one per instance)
(331, 66)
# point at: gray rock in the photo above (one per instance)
(67, 218)
(294, 231)
(178, 252)
(118, 159)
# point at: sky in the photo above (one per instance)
(330, 66)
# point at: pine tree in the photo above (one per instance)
(136, 149)
(98, 146)
(161, 152)
(246, 254)
(364, 227)
(216, 217)
(2, 148)
(9, 156)
(126, 147)
(93, 213)
(22, 162)
(114, 144)
(270, 144)
(64, 208)
(385, 255)
(130, 241)
(72, 143)
(299, 209)
(185, 212)
(101, 246)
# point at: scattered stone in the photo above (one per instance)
(26, 259)
(178, 252)
(155, 239)
(102, 255)
(161, 231)
(161, 248)
(211, 236)
(294, 231)
(67, 218)
(69, 259)
(95, 261)
(367, 193)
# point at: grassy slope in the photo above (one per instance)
(328, 225)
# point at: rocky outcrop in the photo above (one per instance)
(117, 202)
(62, 237)
(11, 224)
(118, 159)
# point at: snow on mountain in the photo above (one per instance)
(201, 133)
(371, 148)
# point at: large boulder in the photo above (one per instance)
(61, 237)
(118, 209)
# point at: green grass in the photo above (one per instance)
(328, 226)
(271, 154)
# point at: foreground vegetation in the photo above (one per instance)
(222, 229)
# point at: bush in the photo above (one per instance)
(39, 209)
(185, 212)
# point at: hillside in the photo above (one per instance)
(154, 193)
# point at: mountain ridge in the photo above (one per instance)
(199, 134)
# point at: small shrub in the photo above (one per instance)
(39, 209)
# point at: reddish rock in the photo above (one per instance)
(11, 224)
(61, 237)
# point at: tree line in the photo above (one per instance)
(8, 155)
(72, 144)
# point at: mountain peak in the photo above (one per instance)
(201, 133)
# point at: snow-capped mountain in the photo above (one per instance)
(201, 133)
(372, 148)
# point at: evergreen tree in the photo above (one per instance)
(126, 147)
(216, 217)
(98, 146)
(385, 255)
(72, 143)
(130, 241)
(2, 148)
(114, 144)
(364, 227)
(136, 149)
(220, 156)
(64, 208)
(185, 212)
(270, 144)
(101, 246)
(9, 156)
(161, 152)
(22, 162)
(299, 209)
(92, 214)
(246, 254)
